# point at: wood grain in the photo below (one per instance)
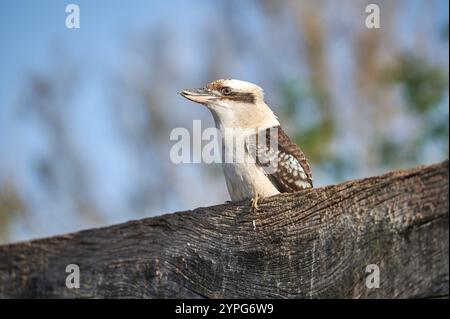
(312, 244)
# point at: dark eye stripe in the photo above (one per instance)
(241, 97)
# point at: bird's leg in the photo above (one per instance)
(255, 202)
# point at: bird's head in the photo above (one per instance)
(234, 104)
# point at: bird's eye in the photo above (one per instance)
(226, 90)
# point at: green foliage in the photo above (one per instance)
(292, 94)
(424, 88)
(316, 140)
(423, 85)
(303, 109)
(444, 32)
(10, 206)
(392, 151)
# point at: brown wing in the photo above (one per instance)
(283, 162)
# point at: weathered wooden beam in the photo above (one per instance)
(315, 243)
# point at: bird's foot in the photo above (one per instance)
(255, 203)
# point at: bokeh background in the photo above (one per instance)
(85, 114)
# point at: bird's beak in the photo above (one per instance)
(202, 96)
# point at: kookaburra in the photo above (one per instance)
(239, 106)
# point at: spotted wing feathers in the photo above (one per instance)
(284, 163)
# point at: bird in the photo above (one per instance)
(239, 107)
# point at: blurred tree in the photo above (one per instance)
(61, 172)
(423, 85)
(11, 206)
(424, 88)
